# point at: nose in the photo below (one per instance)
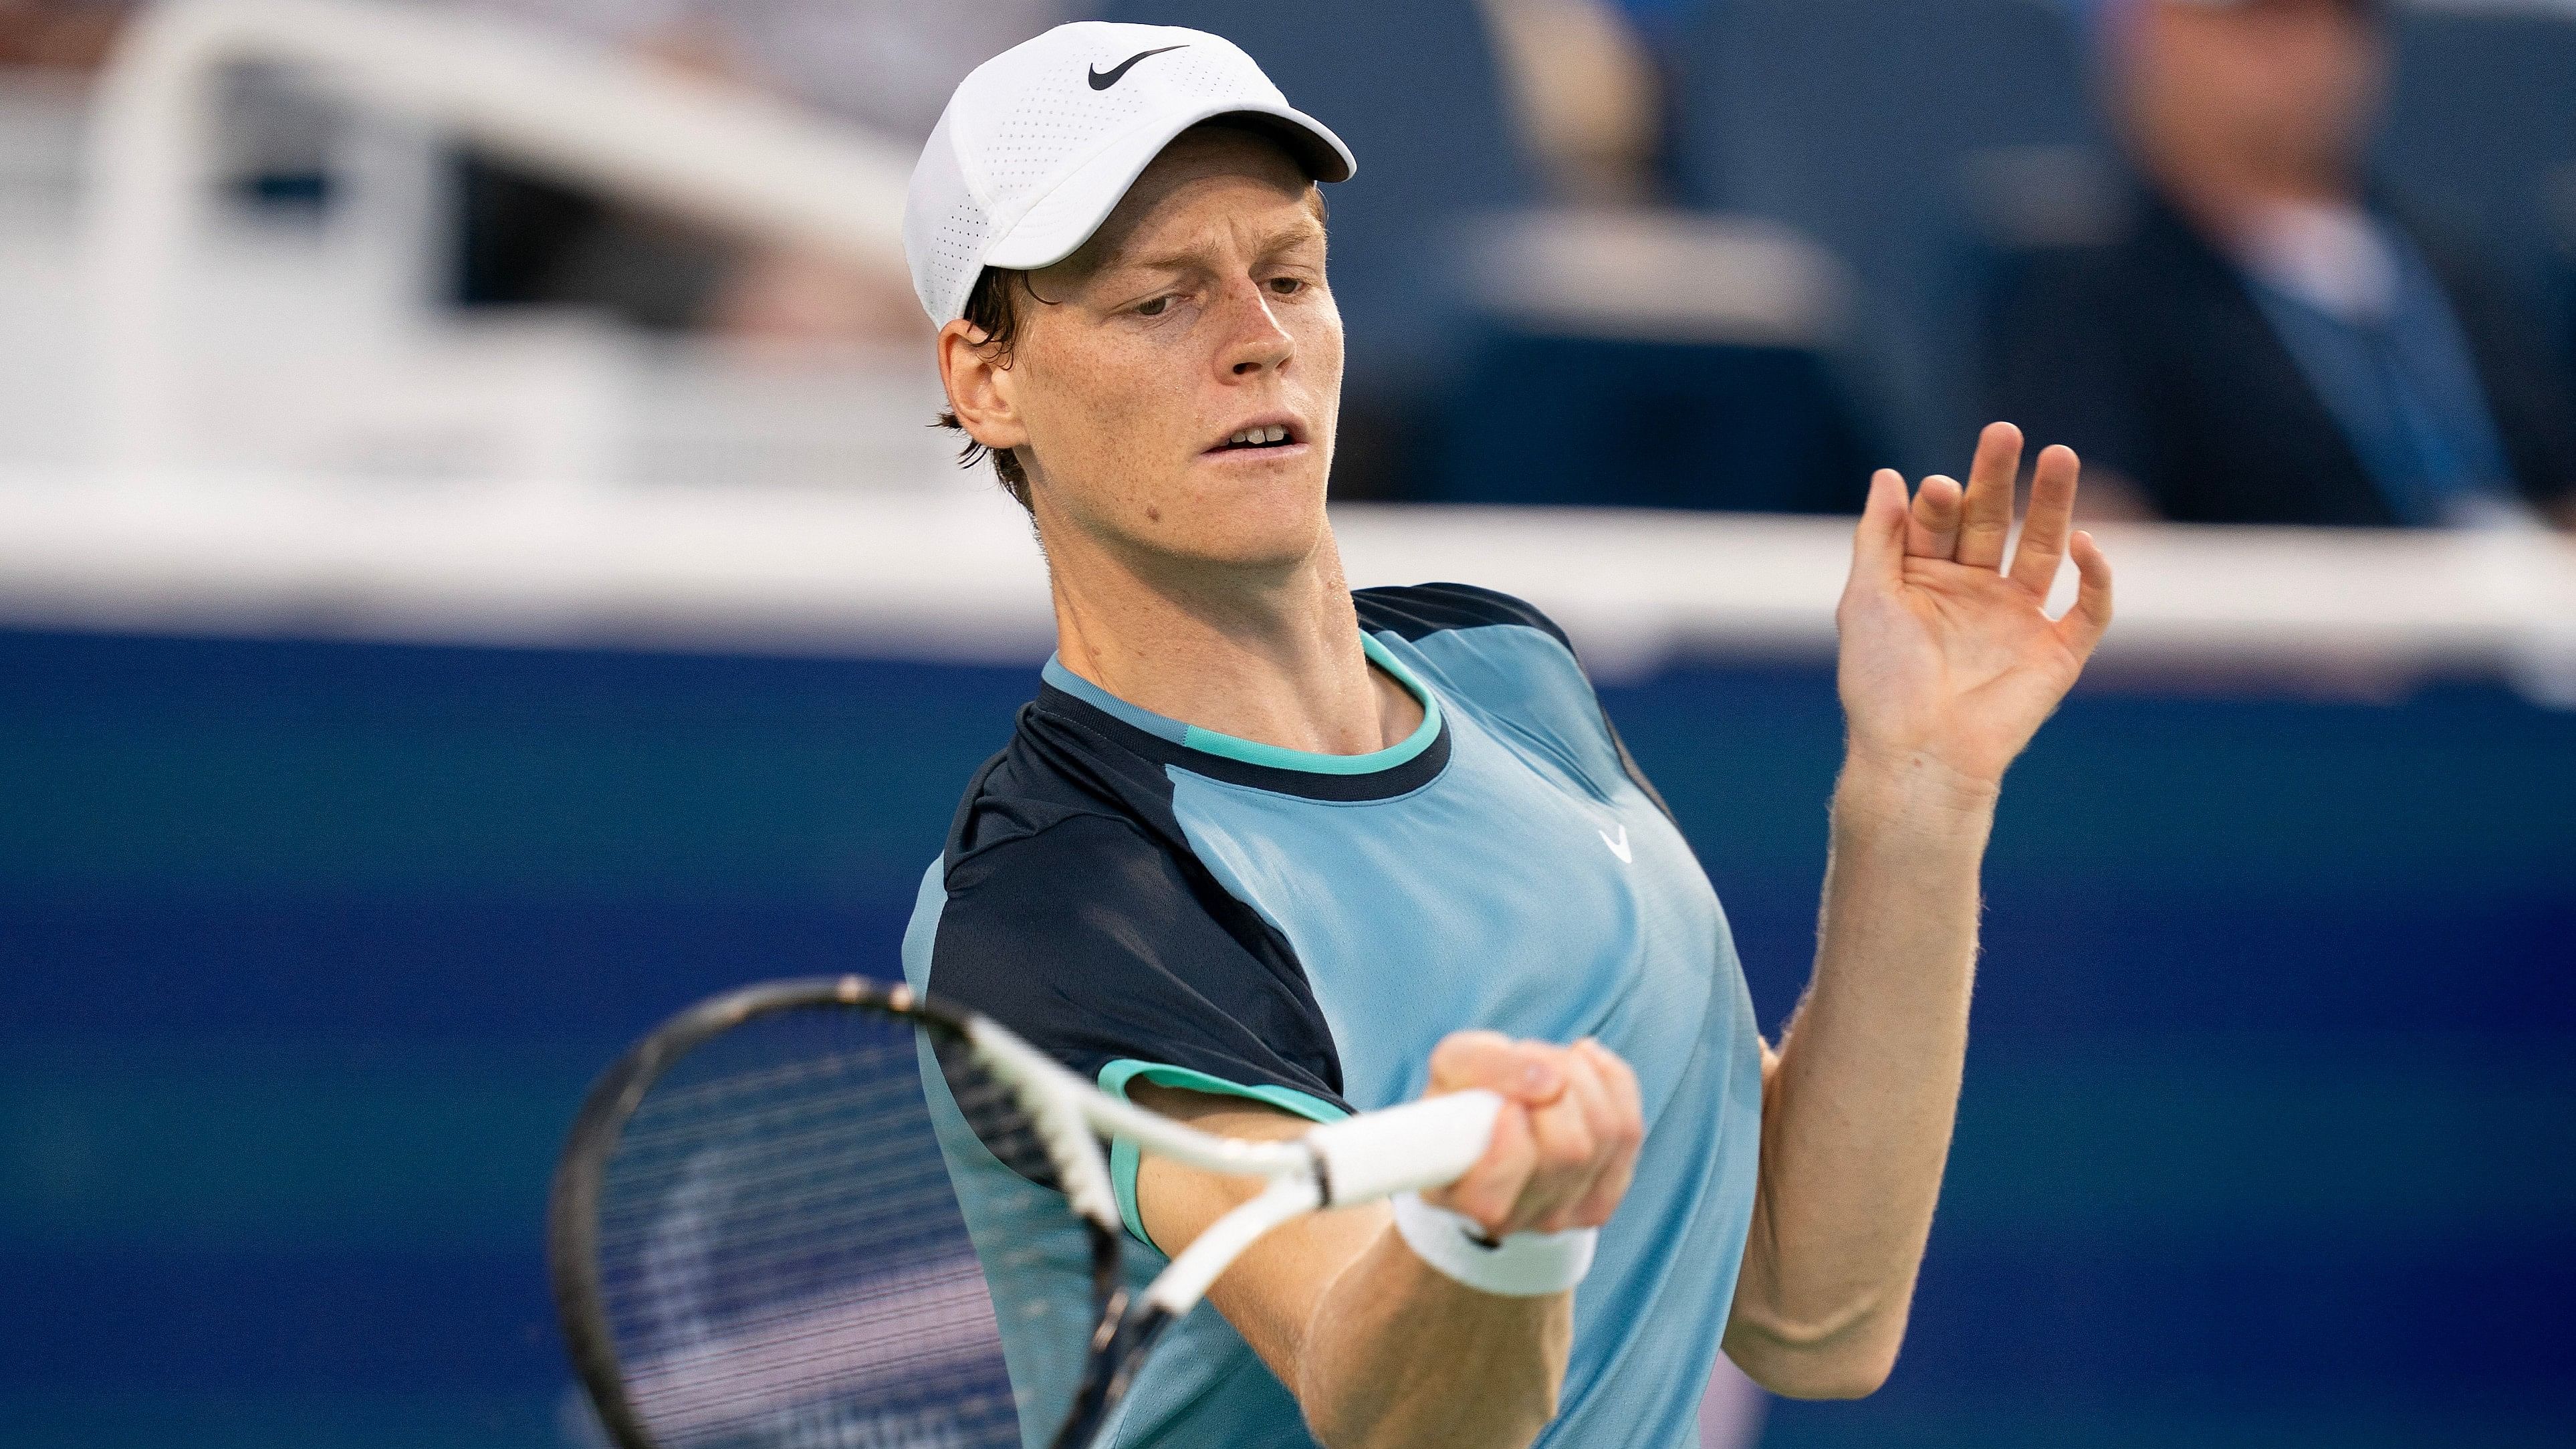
(1254, 342)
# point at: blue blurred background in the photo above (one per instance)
(2269, 1135)
(461, 600)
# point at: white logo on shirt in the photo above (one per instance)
(1618, 847)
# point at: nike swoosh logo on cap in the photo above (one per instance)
(1101, 81)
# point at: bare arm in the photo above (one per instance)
(1380, 1348)
(1948, 667)
(1857, 1106)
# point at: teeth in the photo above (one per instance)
(1278, 433)
(1256, 437)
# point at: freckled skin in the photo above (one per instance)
(1200, 306)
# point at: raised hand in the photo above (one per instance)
(1948, 656)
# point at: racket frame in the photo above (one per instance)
(1421, 1144)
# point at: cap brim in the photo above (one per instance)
(1063, 219)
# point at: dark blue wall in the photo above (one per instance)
(306, 951)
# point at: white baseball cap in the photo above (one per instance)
(1039, 143)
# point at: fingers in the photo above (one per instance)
(1986, 517)
(1569, 1151)
(2052, 513)
(1932, 525)
(1525, 1075)
(1878, 544)
(1492, 1189)
(2082, 627)
(1563, 1163)
(1527, 1072)
(1621, 1128)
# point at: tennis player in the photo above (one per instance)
(1265, 851)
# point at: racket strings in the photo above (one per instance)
(805, 1164)
(877, 1056)
(997, 1116)
(769, 1358)
(782, 1258)
(765, 1108)
(817, 1164)
(788, 1217)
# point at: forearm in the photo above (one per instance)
(1379, 1347)
(1858, 1108)
(1398, 1354)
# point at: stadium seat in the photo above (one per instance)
(1652, 360)
(1640, 423)
(1874, 126)
(2481, 133)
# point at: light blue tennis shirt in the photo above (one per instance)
(1146, 899)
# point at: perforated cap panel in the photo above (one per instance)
(1038, 144)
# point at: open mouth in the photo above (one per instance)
(1274, 435)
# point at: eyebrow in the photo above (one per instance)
(1307, 227)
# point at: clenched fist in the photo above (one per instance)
(1564, 1147)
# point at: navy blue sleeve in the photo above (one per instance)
(1415, 610)
(1091, 938)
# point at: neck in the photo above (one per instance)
(2231, 201)
(1269, 653)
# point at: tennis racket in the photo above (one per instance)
(757, 1243)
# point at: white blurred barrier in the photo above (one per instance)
(159, 543)
(958, 576)
(628, 127)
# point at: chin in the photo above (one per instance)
(1263, 522)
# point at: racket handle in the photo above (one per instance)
(1429, 1143)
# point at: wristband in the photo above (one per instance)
(1524, 1265)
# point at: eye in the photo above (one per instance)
(1287, 286)
(1154, 308)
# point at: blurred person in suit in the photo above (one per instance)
(2268, 337)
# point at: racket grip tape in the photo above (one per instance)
(1428, 1143)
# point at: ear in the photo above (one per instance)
(981, 390)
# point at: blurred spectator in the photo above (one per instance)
(887, 65)
(2269, 338)
(1592, 310)
(58, 34)
(1584, 89)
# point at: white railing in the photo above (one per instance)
(958, 576)
(625, 126)
(953, 575)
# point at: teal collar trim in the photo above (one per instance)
(1253, 752)
(1110, 704)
